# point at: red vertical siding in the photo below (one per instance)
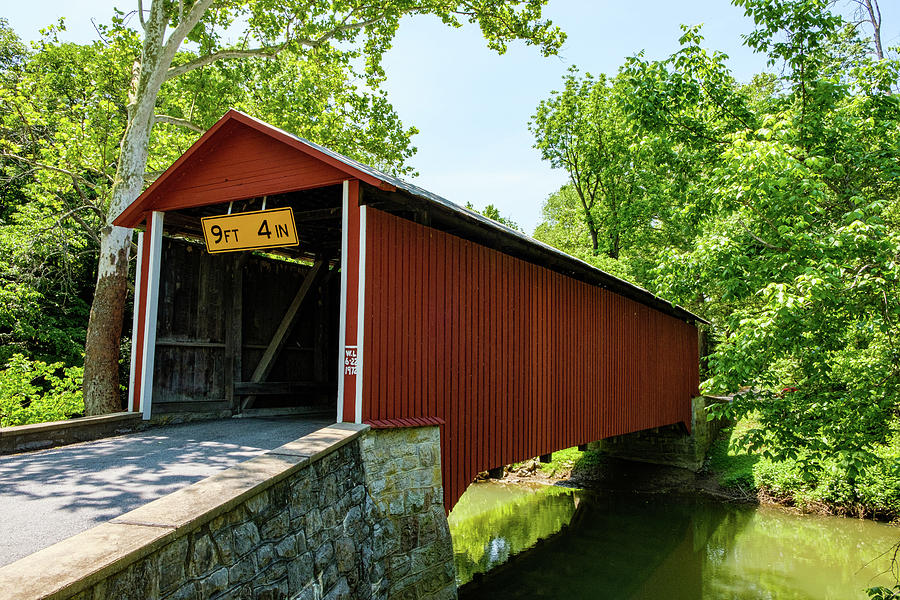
(516, 359)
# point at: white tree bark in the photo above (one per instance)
(101, 362)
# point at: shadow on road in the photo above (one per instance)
(50, 495)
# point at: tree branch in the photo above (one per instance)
(140, 11)
(185, 25)
(760, 240)
(41, 165)
(268, 52)
(149, 176)
(90, 231)
(180, 122)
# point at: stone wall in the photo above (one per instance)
(670, 445)
(346, 512)
(26, 438)
(403, 471)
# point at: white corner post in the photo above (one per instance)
(152, 298)
(135, 320)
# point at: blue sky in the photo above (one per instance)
(472, 106)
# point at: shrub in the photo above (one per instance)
(35, 392)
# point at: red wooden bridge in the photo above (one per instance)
(440, 315)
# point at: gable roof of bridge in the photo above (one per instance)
(236, 159)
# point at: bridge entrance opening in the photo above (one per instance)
(250, 331)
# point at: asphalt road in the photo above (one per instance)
(49, 495)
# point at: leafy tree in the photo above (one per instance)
(622, 177)
(492, 212)
(182, 71)
(568, 132)
(563, 226)
(44, 238)
(797, 247)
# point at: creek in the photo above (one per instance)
(523, 541)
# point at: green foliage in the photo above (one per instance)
(583, 129)
(564, 227)
(562, 462)
(492, 212)
(34, 392)
(883, 593)
(873, 492)
(772, 210)
(801, 250)
(56, 106)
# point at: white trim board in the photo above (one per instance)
(152, 294)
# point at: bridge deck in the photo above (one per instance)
(50, 495)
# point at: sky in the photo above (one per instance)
(472, 106)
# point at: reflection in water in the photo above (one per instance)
(658, 546)
(495, 521)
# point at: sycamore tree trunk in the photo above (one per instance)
(104, 334)
(101, 352)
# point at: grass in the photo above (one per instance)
(562, 462)
(561, 465)
(734, 468)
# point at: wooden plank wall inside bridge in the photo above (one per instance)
(518, 360)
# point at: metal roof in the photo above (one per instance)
(616, 283)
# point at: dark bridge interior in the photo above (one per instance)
(245, 331)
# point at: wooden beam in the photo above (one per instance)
(234, 323)
(284, 329)
(191, 343)
(263, 388)
(321, 340)
(177, 222)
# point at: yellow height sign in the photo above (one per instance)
(250, 230)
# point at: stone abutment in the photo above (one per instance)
(345, 512)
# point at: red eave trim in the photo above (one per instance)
(133, 214)
(405, 422)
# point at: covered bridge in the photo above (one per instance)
(386, 304)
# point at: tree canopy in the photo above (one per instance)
(770, 208)
(85, 127)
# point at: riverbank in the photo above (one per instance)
(874, 494)
(729, 475)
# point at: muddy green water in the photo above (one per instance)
(657, 547)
